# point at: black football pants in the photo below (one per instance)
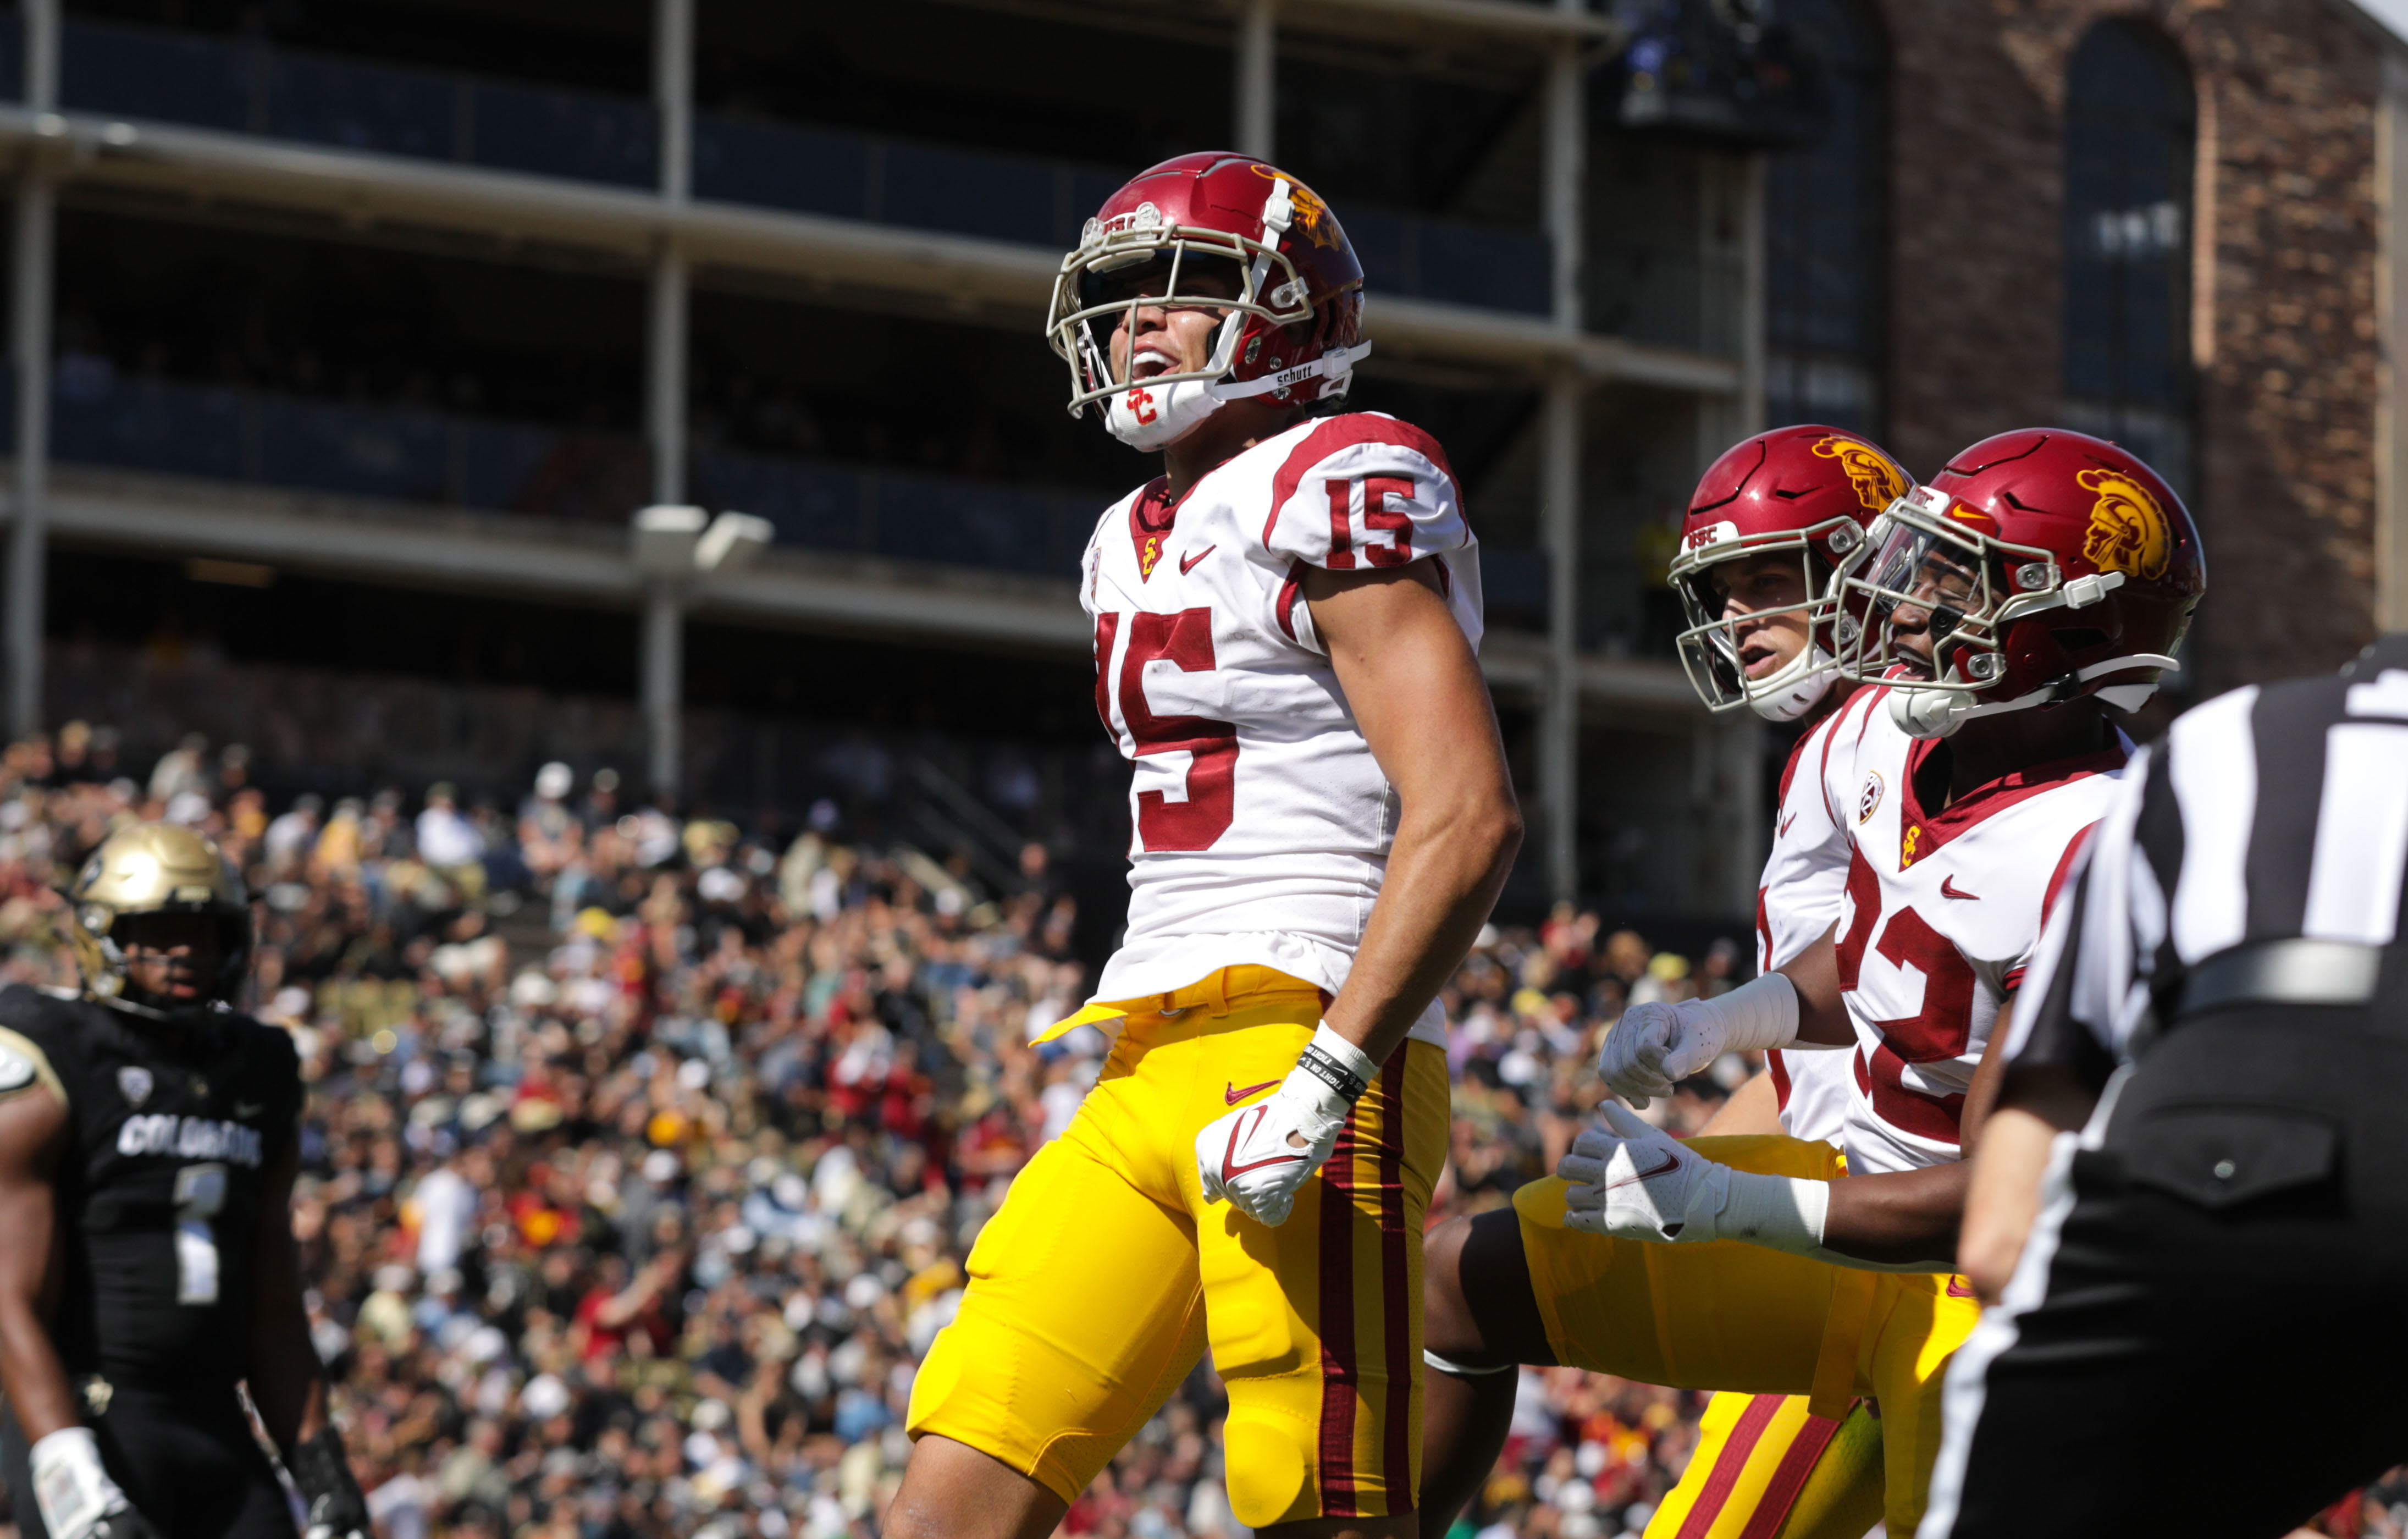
(2221, 1341)
(186, 1459)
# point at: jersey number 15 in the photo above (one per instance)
(1185, 640)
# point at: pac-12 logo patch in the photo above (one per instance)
(1869, 798)
(133, 1083)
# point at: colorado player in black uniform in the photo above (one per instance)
(147, 1264)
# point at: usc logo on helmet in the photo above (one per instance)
(2128, 532)
(1311, 214)
(1878, 483)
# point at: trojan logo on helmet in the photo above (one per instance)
(1875, 475)
(1804, 494)
(1217, 232)
(2046, 564)
(2129, 531)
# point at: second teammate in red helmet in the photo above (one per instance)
(2070, 565)
(2040, 567)
(1286, 625)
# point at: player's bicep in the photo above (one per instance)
(32, 1122)
(1412, 681)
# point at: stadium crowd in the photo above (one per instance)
(643, 1156)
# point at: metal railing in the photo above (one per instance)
(441, 459)
(253, 86)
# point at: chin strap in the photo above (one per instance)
(1329, 365)
(2118, 696)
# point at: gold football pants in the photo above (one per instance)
(1097, 1285)
(1727, 1315)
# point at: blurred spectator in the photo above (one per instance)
(628, 1210)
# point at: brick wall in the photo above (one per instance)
(2287, 93)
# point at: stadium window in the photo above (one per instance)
(2130, 139)
(1826, 232)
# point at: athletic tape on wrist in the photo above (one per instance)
(1778, 1212)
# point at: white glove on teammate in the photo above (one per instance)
(1632, 1182)
(1258, 1157)
(76, 1498)
(1656, 1046)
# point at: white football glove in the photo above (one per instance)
(1633, 1183)
(1258, 1157)
(1654, 1046)
(74, 1493)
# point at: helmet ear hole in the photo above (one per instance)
(2079, 638)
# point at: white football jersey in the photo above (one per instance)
(1940, 916)
(1260, 823)
(1796, 901)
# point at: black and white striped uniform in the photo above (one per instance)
(2205, 1331)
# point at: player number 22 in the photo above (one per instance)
(1185, 640)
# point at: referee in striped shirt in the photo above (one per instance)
(2190, 1213)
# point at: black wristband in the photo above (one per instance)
(1329, 1071)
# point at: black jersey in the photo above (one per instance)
(161, 1183)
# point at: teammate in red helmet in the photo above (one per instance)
(2040, 583)
(1771, 521)
(2056, 566)
(1285, 625)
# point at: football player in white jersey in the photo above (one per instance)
(2043, 578)
(1286, 632)
(1772, 521)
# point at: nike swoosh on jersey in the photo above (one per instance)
(1231, 1169)
(1187, 563)
(1785, 823)
(1948, 889)
(1232, 1095)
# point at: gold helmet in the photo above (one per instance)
(155, 868)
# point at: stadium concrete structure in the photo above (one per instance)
(331, 321)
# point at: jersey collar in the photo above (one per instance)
(1920, 832)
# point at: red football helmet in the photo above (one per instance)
(1215, 231)
(1808, 490)
(2049, 565)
